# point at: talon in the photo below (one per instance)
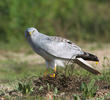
(52, 75)
(45, 73)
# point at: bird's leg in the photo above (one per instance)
(55, 69)
(45, 73)
(53, 75)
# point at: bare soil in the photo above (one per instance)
(67, 85)
(62, 83)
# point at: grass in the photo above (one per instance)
(13, 72)
(89, 89)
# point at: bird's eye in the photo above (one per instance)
(33, 31)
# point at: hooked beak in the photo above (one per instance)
(29, 33)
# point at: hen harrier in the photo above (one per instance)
(56, 50)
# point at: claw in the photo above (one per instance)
(45, 73)
(52, 75)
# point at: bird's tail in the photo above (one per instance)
(86, 66)
(88, 56)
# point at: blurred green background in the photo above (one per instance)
(78, 20)
(85, 22)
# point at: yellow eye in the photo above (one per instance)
(33, 31)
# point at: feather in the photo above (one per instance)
(86, 66)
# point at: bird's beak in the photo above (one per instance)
(29, 33)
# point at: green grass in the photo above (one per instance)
(12, 72)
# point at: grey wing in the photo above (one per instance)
(60, 47)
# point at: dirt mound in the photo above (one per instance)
(61, 83)
(63, 86)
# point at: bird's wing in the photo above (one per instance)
(86, 66)
(60, 47)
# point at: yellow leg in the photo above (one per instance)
(53, 75)
(55, 69)
(45, 73)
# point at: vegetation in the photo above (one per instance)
(21, 86)
(89, 89)
(77, 20)
(25, 87)
(87, 20)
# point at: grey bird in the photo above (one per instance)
(56, 50)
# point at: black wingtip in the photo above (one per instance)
(88, 56)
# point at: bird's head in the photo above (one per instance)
(30, 32)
